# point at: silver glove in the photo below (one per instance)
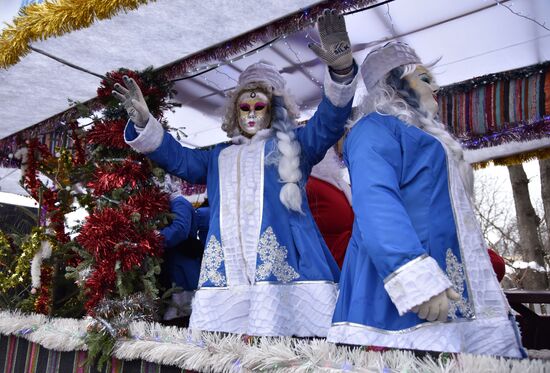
(335, 47)
(133, 101)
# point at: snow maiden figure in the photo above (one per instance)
(417, 274)
(266, 269)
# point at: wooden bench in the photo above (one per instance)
(534, 326)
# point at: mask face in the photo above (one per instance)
(253, 108)
(422, 82)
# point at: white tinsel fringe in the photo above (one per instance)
(36, 263)
(216, 352)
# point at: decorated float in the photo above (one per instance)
(89, 297)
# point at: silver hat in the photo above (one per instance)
(263, 72)
(381, 61)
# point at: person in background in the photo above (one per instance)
(182, 253)
(329, 198)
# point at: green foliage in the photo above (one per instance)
(100, 347)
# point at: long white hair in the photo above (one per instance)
(393, 95)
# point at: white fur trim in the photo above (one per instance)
(486, 336)
(36, 263)
(259, 136)
(504, 150)
(484, 290)
(241, 184)
(332, 171)
(148, 139)
(339, 94)
(415, 282)
(302, 309)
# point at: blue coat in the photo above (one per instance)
(254, 242)
(406, 247)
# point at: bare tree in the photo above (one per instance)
(544, 166)
(528, 224)
(497, 220)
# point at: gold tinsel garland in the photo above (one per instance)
(514, 159)
(55, 18)
(22, 271)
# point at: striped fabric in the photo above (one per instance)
(18, 355)
(497, 103)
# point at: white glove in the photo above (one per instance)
(335, 48)
(133, 101)
(437, 307)
(172, 185)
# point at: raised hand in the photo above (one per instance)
(133, 101)
(335, 47)
(437, 307)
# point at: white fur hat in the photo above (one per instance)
(263, 72)
(382, 60)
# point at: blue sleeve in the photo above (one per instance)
(322, 130)
(182, 224)
(188, 164)
(373, 153)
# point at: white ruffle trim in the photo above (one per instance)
(339, 94)
(149, 138)
(301, 309)
(494, 336)
(415, 282)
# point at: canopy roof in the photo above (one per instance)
(472, 37)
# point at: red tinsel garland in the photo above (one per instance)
(79, 157)
(153, 91)
(36, 152)
(112, 175)
(111, 236)
(109, 133)
(43, 301)
(148, 202)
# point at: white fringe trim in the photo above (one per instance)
(215, 352)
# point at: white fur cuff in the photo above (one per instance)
(339, 94)
(415, 282)
(149, 138)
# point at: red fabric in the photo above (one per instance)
(333, 215)
(498, 264)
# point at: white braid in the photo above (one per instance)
(288, 157)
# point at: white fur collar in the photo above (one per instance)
(330, 170)
(260, 135)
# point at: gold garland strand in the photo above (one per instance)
(22, 271)
(55, 18)
(514, 159)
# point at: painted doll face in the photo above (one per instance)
(422, 82)
(253, 107)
